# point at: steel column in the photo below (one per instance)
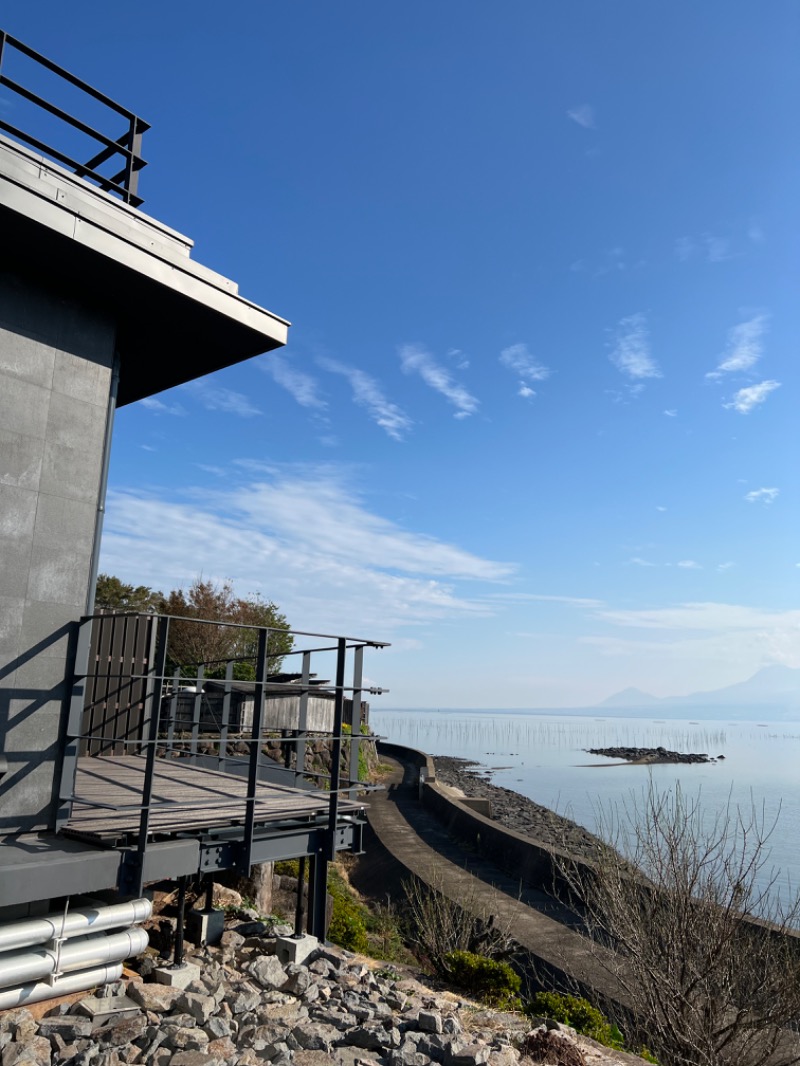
(262, 671)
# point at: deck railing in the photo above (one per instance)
(123, 151)
(134, 693)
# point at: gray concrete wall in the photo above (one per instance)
(55, 374)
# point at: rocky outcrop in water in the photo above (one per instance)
(650, 755)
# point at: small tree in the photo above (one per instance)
(700, 943)
(111, 594)
(191, 644)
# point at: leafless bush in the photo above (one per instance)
(702, 943)
(437, 925)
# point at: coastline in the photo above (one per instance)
(513, 810)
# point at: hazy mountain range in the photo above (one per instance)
(774, 691)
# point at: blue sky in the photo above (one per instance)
(536, 423)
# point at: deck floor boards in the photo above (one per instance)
(186, 798)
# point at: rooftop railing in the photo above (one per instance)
(43, 119)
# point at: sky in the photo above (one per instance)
(536, 423)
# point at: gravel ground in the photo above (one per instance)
(515, 811)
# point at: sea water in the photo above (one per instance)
(544, 756)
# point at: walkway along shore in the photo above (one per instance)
(410, 839)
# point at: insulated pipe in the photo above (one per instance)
(79, 922)
(70, 982)
(74, 955)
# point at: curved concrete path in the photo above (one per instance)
(408, 839)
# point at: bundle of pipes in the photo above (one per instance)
(76, 951)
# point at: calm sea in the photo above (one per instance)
(544, 756)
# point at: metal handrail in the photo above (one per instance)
(127, 147)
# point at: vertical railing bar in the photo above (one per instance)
(173, 709)
(336, 748)
(197, 708)
(226, 716)
(355, 718)
(157, 664)
(255, 749)
(302, 716)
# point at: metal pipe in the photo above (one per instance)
(81, 981)
(74, 955)
(103, 488)
(79, 922)
(179, 929)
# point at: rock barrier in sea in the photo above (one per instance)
(651, 755)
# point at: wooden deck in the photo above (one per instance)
(186, 799)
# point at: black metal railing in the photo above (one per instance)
(123, 151)
(132, 696)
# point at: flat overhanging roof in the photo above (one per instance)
(176, 319)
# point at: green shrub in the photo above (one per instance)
(578, 1013)
(495, 983)
(347, 927)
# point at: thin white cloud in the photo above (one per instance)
(746, 399)
(306, 541)
(583, 114)
(660, 508)
(300, 385)
(671, 413)
(415, 359)
(631, 353)
(519, 360)
(368, 394)
(756, 233)
(217, 398)
(725, 566)
(717, 248)
(685, 248)
(638, 561)
(158, 407)
(766, 496)
(689, 564)
(744, 348)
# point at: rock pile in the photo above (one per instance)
(650, 755)
(248, 1009)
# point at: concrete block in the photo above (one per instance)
(17, 523)
(83, 378)
(295, 949)
(23, 406)
(20, 460)
(27, 359)
(72, 473)
(101, 1010)
(177, 976)
(205, 927)
(73, 423)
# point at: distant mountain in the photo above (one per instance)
(629, 697)
(774, 688)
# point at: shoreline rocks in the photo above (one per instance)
(515, 811)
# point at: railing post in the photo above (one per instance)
(132, 160)
(226, 717)
(336, 748)
(262, 670)
(77, 703)
(355, 724)
(302, 716)
(318, 897)
(197, 708)
(154, 697)
(173, 709)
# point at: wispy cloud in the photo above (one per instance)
(756, 233)
(306, 540)
(712, 248)
(744, 348)
(685, 248)
(368, 394)
(519, 360)
(746, 399)
(583, 114)
(158, 407)
(416, 360)
(217, 398)
(725, 566)
(631, 353)
(689, 564)
(671, 413)
(638, 561)
(766, 496)
(302, 387)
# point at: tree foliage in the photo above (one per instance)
(112, 594)
(701, 943)
(192, 643)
